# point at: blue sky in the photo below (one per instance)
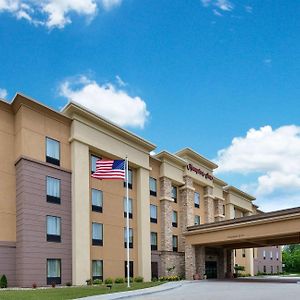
(179, 73)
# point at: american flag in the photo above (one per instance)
(109, 169)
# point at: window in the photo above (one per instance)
(130, 237)
(53, 229)
(243, 252)
(234, 252)
(52, 151)
(197, 200)
(130, 269)
(153, 213)
(265, 269)
(53, 271)
(175, 243)
(94, 163)
(129, 179)
(97, 200)
(153, 238)
(97, 269)
(277, 256)
(264, 254)
(97, 233)
(174, 193)
(271, 255)
(174, 218)
(53, 190)
(197, 220)
(129, 208)
(272, 270)
(152, 185)
(223, 210)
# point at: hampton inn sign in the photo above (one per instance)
(190, 167)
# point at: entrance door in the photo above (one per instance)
(211, 270)
(154, 269)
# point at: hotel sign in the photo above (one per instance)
(206, 175)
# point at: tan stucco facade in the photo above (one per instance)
(24, 126)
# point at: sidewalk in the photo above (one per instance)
(122, 295)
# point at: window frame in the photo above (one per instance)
(51, 198)
(175, 248)
(130, 182)
(130, 238)
(197, 205)
(198, 217)
(174, 213)
(152, 192)
(97, 242)
(49, 159)
(153, 246)
(130, 214)
(153, 220)
(131, 268)
(94, 277)
(51, 280)
(174, 188)
(97, 208)
(91, 161)
(53, 237)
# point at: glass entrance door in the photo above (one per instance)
(211, 270)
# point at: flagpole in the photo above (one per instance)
(127, 225)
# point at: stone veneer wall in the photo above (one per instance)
(32, 248)
(170, 260)
(8, 262)
(218, 204)
(166, 214)
(209, 211)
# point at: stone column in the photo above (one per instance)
(200, 260)
(143, 228)
(218, 203)
(81, 230)
(166, 213)
(186, 208)
(190, 262)
(209, 213)
(229, 211)
(229, 263)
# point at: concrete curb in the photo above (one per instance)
(136, 293)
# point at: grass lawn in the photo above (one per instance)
(70, 292)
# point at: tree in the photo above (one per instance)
(291, 258)
(3, 282)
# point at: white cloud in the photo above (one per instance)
(3, 92)
(109, 4)
(267, 61)
(217, 13)
(249, 9)
(120, 81)
(107, 101)
(55, 13)
(273, 154)
(224, 5)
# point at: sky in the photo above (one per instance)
(218, 76)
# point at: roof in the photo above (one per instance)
(230, 188)
(74, 107)
(165, 155)
(188, 152)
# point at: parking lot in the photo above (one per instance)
(233, 290)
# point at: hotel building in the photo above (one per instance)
(58, 224)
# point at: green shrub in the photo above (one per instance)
(119, 280)
(154, 279)
(108, 280)
(138, 279)
(97, 281)
(3, 282)
(169, 278)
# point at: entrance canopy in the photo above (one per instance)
(268, 229)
